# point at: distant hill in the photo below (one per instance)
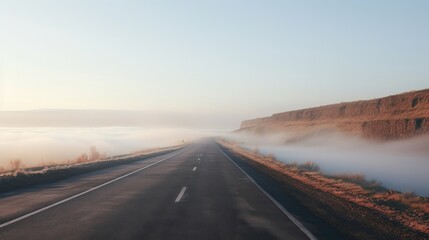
(399, 116)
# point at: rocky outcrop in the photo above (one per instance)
(398, 116)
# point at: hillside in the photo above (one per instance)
(398, 116)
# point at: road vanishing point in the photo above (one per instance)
(197, 192)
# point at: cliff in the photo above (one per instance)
(398, 116)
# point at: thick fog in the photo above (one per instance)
(401, 165)
(38, 146)
(45, 136)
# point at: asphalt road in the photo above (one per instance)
(194, 193)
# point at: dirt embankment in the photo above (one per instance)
(393, 117)
(357, 208)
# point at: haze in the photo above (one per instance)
(122, 119)
(401, 165)
(244, 57)
(141, 72)
(43, 145)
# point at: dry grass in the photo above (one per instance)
(360, 180)
(406, 208)
(25, 177)
(408, 199)
(309, 167)
(94, 155)
(82, 158)
(16, 165)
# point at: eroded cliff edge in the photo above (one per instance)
(398, 116)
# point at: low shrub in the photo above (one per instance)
(308, 166)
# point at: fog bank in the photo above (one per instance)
(38, 146)
(400, 165)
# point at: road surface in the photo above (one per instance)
(197, 192)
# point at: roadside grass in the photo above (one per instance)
(17, 177)
(404, 200)
(394, 199)
(406, 208)
(360, 179)
(308, 167)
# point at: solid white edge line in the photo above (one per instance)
(179, 197)
(286, 212)
(85, 192)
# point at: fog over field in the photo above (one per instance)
(400, 165)
(38, 137)
(39, 146)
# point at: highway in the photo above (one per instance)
(197, 192)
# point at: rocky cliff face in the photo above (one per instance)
(398, 116)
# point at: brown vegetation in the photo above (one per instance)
(393, 117)
(25, 177)
(403, 209)
(16, 166)
(94, 155)
(82, 158)
(360, 180)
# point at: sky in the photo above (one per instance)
(250, 58)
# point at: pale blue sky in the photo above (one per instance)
(249, 57)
